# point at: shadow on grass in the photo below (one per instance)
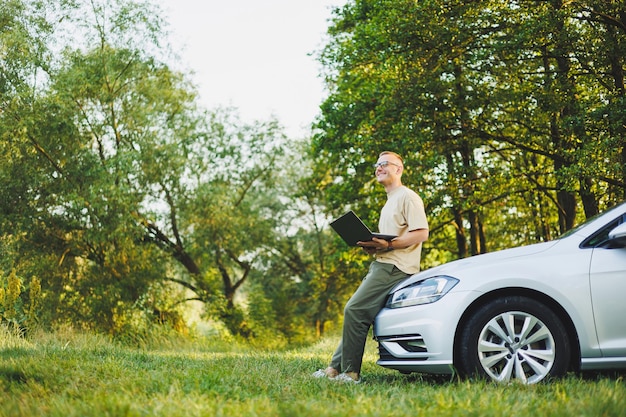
(13, 375)
(412, 378)
(443, 380)
(615, 374)
(15, 352)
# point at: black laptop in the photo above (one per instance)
(352, 229)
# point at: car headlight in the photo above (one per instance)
(422, 292)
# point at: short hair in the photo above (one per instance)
(392, 153)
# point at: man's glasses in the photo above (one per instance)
(384, 164)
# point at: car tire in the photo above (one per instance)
(513, 338)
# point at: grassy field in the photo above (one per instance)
(69, 374)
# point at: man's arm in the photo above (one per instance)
(411, 238)
(408, 239)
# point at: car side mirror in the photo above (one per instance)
(617, 236)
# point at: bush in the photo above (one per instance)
(19, 309)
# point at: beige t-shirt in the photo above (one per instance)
(403, 212)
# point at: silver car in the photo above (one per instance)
(526, 314)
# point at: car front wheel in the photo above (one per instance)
(513, 338)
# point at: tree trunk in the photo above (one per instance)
(461, 242)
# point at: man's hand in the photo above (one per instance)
(374, 245)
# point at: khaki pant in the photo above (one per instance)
(359, 314)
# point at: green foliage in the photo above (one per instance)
(495, 105)
(19, 308)
(125, 195)
(128, 201)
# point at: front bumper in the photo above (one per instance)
(420, 338)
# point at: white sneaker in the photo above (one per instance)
(321, 373)
(345, 378)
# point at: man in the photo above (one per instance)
(403, 216)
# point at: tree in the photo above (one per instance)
(126, 188)
(494, 102)
(23, 64)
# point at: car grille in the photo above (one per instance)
(410, 343)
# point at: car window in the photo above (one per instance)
(600, 239)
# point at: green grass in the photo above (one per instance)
(68, 374)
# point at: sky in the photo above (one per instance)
(254, 55)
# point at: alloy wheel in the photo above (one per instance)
(515, 345)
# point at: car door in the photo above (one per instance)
(607, 275)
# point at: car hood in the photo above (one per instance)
(452, 267)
